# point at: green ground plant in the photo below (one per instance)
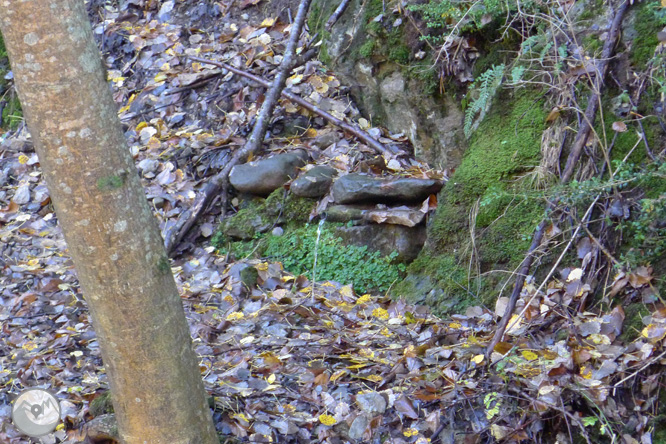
(365, 269)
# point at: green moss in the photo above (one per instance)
(110, 183)
(646, 25)
(507, 142)
(163, 265)
(592, 44)
(12, 114)
(367, 49)
(101, 404)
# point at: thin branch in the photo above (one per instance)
(593, 101)
(336, 14)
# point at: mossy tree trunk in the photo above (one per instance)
(113, 238)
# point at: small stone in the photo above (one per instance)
(358, 427)
(277, 231)
(371, 402)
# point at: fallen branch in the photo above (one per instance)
(219, 183)
(572, 160)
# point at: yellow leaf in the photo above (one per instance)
(327, 420)
(154, 143)
(271, 378)
(160, 77)
(380, 313)
(347, 291)
(268, 22)
(455, 325)
(374, 378)
(357, 366)
(338, 374)
(23, 159)
(141, 126)
(410, 432)
(529, 355)
(30, 345)
(235, 316)
(478, 359)
(364, 299)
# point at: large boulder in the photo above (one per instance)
(314, 183)
(262, 177)
(359, 188)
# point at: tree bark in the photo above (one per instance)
(113, 238)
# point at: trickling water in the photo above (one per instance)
(314, 266)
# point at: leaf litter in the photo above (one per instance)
(282, 365)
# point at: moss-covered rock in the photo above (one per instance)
(261, 215)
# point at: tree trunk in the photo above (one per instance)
(112, 236)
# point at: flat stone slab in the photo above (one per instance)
(359, 188)
(378, 214)
(314, 183)
(262, 177)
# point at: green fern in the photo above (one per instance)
(486, 86)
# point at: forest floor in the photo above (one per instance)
(287, 359)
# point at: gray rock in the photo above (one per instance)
(325, 140)
(148, 166)
(265, 176)
(358, 427)
(383, 92)
(22, 195)
(371, 402)
(385, 238)
(357, 188)
(314, 183)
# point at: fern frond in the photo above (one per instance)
(486, 86)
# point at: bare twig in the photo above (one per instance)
(266, 112)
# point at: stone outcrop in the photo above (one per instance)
(388, 93)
